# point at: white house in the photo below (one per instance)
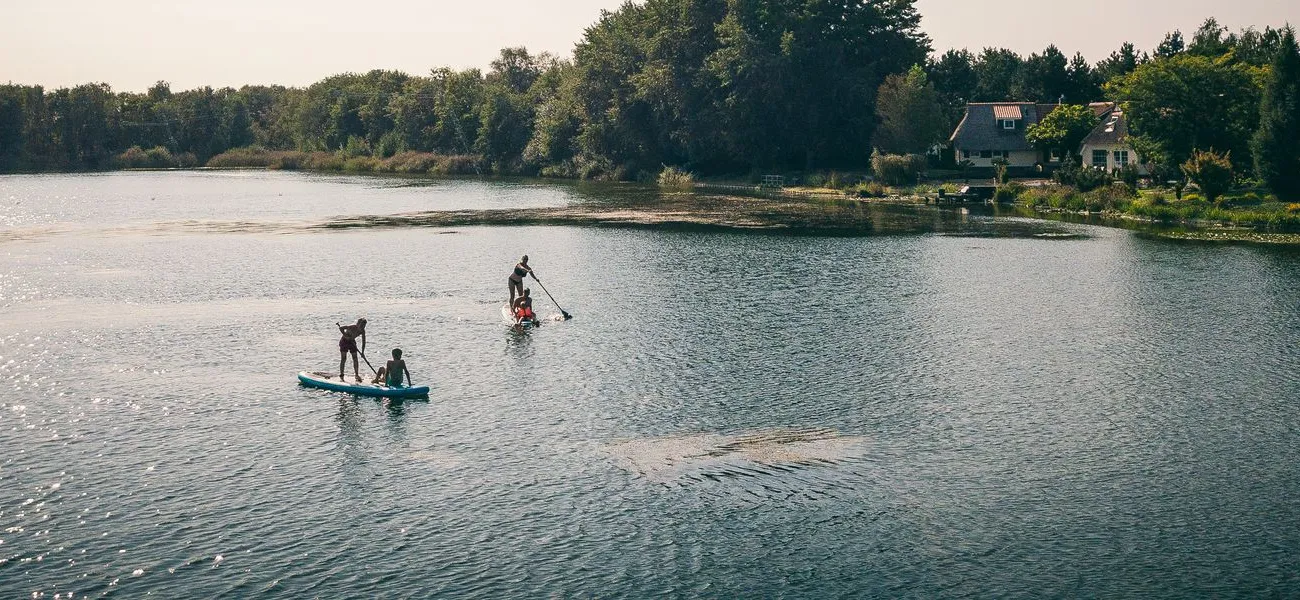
(1107, 146)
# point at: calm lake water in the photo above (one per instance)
(729, 414)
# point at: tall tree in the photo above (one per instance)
(1184, 103)
(1208, 40)
(996, 70)
(1043, 77)
(955, 81)
(11, 127)
(1276, 145)
(1172, 45)
(911, 118)
(1083, 84)
(1119, 63)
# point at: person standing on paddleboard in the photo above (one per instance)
(517, 278)
(348, 343)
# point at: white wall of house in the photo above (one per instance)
(1016, 158)
(1109, 156)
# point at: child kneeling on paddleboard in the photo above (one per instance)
(523, 307)
(391, 373)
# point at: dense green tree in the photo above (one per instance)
(553, 144)
(84, 128)
(11, 127)
(955, 81)
(911, 118)
(1189, 102)
(1209, 40)
(1210, 171)
(1171, 46)
(1276, 144)
(1119, 63)
(1042, 77)
(1082, 83)
(1258, 47)
(996, 70)
(1063, 129)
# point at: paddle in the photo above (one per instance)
(567, 316)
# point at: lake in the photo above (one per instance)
(986, 406)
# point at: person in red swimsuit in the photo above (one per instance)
(348, 343)
(523, 307)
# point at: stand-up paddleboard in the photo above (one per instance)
(326, 381)
(509, 316)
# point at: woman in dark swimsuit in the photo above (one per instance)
(516, 280)
(348, 344)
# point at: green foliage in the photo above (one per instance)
(676, 179)
(1128, 174)
(1210, 171)
(897, 169)
(157, 157)
(1001, 171)
(1185, 102)
(869, 189)
(911, 118)
(1276, 144)
(1062, 197)
(1085, 179)
(1008, 193)
(1063, 129)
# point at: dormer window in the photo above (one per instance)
(1008, 124)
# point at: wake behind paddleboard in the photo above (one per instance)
(326, 381)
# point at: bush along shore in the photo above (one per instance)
(1208, 197)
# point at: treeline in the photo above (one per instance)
(712, 86)
(999, 74)
(718, 85)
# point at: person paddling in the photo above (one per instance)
(516, 280)
(523, 308)
(348, 343)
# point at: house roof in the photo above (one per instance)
(1101, 108)
(1113, 129)
(980, 130)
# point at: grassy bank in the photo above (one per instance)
(1244, 209)
(421, 163)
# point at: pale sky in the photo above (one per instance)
(129, 44)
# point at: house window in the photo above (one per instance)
(1121, 158)
(1099, 158)
(965, 153)
(1008, 124)
(1054, 156)
(986, 154)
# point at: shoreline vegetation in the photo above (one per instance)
(705, 94)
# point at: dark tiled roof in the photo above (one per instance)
(1113, 129)
(980, 130)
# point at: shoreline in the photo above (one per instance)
(752, 207)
